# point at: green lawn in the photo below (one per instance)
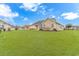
(39, 43)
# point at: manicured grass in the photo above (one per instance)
(39, 43)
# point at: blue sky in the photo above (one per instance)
(28, 13)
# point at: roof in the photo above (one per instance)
(6, 23)
(1, 21)
(51, 19)
(38, 22)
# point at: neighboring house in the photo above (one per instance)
(5, 26)
(30, 27)
(26, 27)
(48, 24)
(75, 27)
(19, 28)
(72, 28)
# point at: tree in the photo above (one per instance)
(68, 26)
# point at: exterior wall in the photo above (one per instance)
(12, 28)
(59, 27)
(1, 25)
(20, 28)
(26, 27)
(48, 25)
(75, 27)
(6, 26)
(34, 27)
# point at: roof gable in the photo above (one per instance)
(50, 19)
(42, 21)
(38, 22)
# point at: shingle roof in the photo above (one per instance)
(1, 21)
(38, 22)
(6, 23)
(52, 19)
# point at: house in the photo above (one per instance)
(29, 27)
(19, 28)
(48, 24)
(72, 28)
(75, 27)
(5, 26)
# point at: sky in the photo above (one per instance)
(21, 14)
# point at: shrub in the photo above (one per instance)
(0, 30)
(54, 29)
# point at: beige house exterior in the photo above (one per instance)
(30, 27)
(5, 26)
(48, 24)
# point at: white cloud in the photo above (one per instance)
(25, 19)
(39, 9)
(7, 14)
(30, 6)
(70, 15)
(42, 10)
(6, 11)
(53, 16)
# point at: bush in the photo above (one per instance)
(4, 29)
(41, 29)
(54, 29)
(0, 30)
